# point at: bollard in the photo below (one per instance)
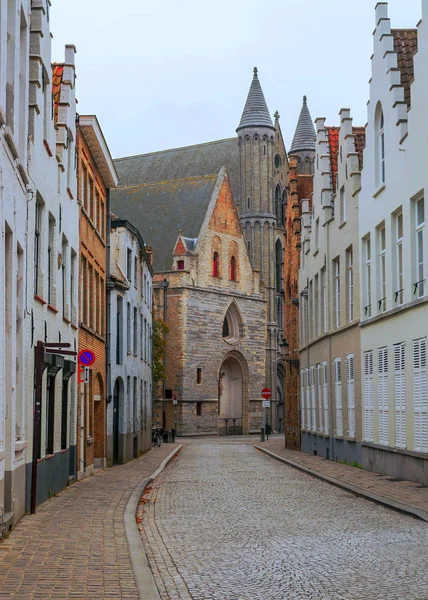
(170, 437)
(262, 434)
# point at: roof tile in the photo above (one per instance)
(406, 46)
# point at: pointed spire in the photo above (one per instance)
(304, 137)
(256, 113)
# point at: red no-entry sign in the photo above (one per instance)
(266, 393)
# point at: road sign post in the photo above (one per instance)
(266, 394)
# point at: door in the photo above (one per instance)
(116, 401)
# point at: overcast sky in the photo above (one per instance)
(167, 73)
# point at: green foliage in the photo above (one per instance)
(352, 464)
(160, 330)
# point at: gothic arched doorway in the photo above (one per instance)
(231, 397)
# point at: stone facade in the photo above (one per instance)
(215, 352)
(394, 254)
(53, 247)
(14, 75)
(129, 409)
(329, 298)
(96, 175)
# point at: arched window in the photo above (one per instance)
(380, 144)
(232, 324)
(278, 266)
(216, 265)
(278, 204)
(233, 269)
(283, 207)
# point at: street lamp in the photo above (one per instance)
(283, 347)
(165, 284)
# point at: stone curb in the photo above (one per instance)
(403, 508)
(144, 580)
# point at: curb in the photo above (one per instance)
(403, 508)
(144, 581)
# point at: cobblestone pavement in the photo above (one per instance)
(75, 545)
(226, 522)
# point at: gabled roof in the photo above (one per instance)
(406, 46)
(182, 163)
(256, 113)
(57, 73)
(160, 209)
(92, 132)
(304, 137)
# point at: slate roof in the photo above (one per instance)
(256, 112)
(57, 73)
(406, 46)
(179, 163)
(304, 137)
(160, 209)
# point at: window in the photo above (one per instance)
(316, 293)
(350, 267)
(367, 278)
(135, 272)
(342, 205)
(311, 310)
(338, 395)
(313, 403)
(135, 330)
(368, 397)
(400, 394)
(399, 282)
(84, 291)
(382, 269)
(350, 387)
(91, 200)
(302, 398)
(72, 284)
(119, 331)
(232, 324)
(144, 289)
(308, 401)
(420, 401)
(198, 409)
(380, 141)
(85, 187)
(135, 407)
(129, 264)
(320, 399)
(233, 269)
(419, 286)
(37, 244)
(168, 394)
(51, 260)
(145, 341)
(382, 395)
(64, 278)
(278, 205)
(336, 271)
(317, 235)
(278, 266)
(216, 265)
(325, 396)
(180, 265)
(50, 413)
(198, 375)
(277, 161)
(323, 302)
(128, 328)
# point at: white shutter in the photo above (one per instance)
(338, 395)
(368, 396)
(302, 398)
(400, 394)
(350, 384)
(320, 403)
(325, 396)
(382, 394)
(308, 401)
(420, 400)
(313, 405)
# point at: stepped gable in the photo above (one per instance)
(57, 74)
(406, 46)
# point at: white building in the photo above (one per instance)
(129, 412)
(394, 253)
(329, 299)
(14, 302)
(53, 247)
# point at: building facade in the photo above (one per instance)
(129, 409)
(96, 176)
(394, 254)
(14, 94)
(329, 310)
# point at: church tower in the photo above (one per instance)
(261, 165)
(303, 145)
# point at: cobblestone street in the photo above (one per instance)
(228, 522)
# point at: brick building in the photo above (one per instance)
(96, 176)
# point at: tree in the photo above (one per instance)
(160, 329)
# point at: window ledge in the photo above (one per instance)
(39, 299)
(20, 445)
(379, 190)
(70, 193)
(316, 251)
(52, 308)
(343, 223)
(47, 147)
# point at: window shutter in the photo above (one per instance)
(302, 397)
(338, 395)
(368, 396)
(308, 402)
(325, 397)
(400, 395)
(313, 405)
(320, 400)
(420, 400)
(350, 383)
(382, 358)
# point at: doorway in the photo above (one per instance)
(118, 387)
(230, 398)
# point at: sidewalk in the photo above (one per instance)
(76, 546)
(406, 496)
